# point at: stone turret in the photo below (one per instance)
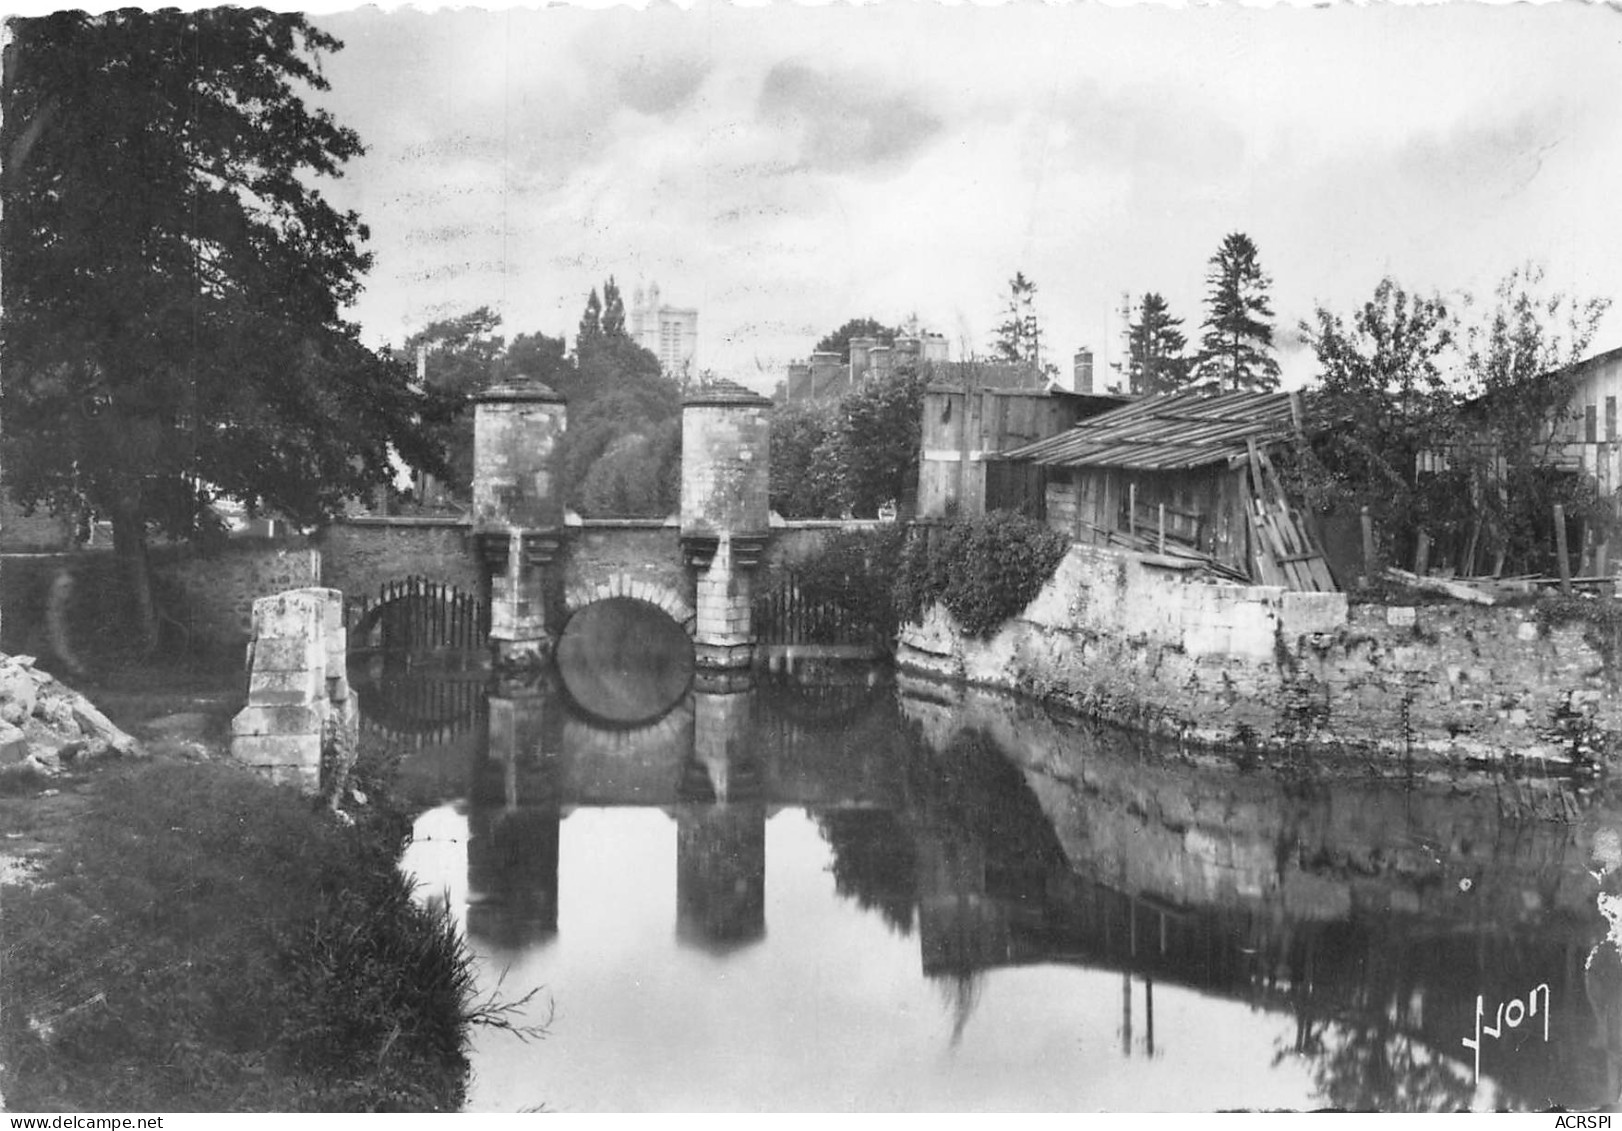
(725, 514)
(516, 429)
(725, 462)
(517, 508)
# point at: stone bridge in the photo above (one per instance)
(538, 565)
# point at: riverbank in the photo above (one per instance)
(1363, 688)
(183, 935)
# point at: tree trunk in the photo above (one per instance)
(129, 546)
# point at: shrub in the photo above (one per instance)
(852, 569)
(208, 941)
(985, 571)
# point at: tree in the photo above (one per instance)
(1155, 359)
(619, 391)
(1382, 403)
(460, 356)
(839, 340)
(174, 280)
(541, 358)
(591, 324)
(804, 482)
(1019, 337)
(1519, 358)
(1235, 353)
(881, 427)
(613, 310)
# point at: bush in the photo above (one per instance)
(207, 941)
(853, 570)
(985, 571)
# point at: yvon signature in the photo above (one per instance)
(1510, 1013)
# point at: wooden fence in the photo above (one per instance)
(415, 614)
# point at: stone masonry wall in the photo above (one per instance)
(211, 594)
(218, 591)
(360, 554)
(1258, 666)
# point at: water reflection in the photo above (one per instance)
(998, 910)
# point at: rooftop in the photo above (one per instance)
(1167, 432)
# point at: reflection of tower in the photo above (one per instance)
(721, 829)
(512, 851)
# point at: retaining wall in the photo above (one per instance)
(1230, 666)
(210, 594)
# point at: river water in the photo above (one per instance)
(827, 893)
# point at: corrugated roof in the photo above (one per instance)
(1167, 432)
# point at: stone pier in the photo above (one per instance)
(299, 702)
(725, 515)
(517, 511)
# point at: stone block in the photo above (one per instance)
(288, 654)
(1303, 613)
(1526, 631)
(278, 750)
(1401, 616)
(279, 720)
(282, 688)
(290, 614)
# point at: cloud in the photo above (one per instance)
(661, 87)
(843, 124)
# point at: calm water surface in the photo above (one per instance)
(835, 895)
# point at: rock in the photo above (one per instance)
(17, 694)
(98, 726)
(13, 744)
(56, 712)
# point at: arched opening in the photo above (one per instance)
(624, 660)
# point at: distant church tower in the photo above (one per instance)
(670, 333)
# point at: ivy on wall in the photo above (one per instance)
(984, 570)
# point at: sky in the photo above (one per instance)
(785, 168)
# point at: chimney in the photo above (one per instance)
(860, 349)
(798, 386)
(1082, 375)
(881, 360)
(824, 367)
(422, 367)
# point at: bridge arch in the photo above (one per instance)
(622, 584)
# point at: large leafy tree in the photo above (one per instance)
(1236, 348)
(460, 356)
(1156, 349)
(855, 455)
(174, 279)
(622, 451)
(1519, 358)
(1383, 403)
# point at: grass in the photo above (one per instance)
(206, 941)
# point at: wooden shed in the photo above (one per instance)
(1183, 474)
(964, 431)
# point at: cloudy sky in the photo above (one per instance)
(785, 168)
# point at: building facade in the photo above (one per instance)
(670, 333)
